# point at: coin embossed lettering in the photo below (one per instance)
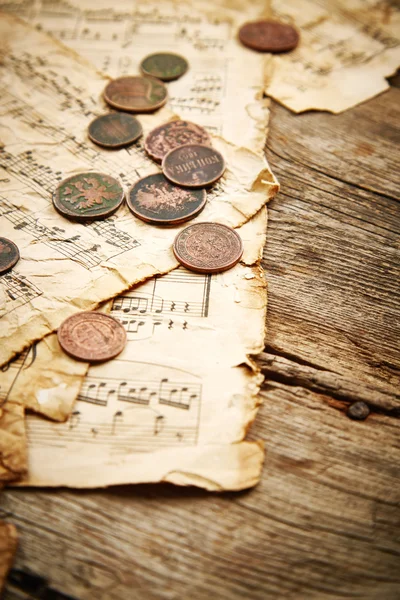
(156, 200)
(193, 165)
(92, 336)
(208, 247)
(165, 138)
(88, 196)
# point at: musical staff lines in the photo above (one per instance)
(85, 253)
(129, 415)
(22, 361)
(180, 395)
(143, 303)
(18, 291)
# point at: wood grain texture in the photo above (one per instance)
(324, 523)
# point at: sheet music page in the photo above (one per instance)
(223, 87)
(176, 404)
(347, 50)
(49, 97)
(8, 548)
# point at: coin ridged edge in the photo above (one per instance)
(281, 48)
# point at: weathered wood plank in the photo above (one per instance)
(324, 522)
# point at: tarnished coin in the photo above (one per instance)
(136, 94)
(155, 200)
(269, 36)
(88, 196)
(115, 130)
(193, 165)
(9, 255)
(91, 336)
(208, 247)
(164, 65)
(165, 138)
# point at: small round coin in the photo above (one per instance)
(208, 247)
(136, 94)
(88, 196)
(115, 130)
(155, 200)
(193, 165)
(9, 255)
(165, 138)
(91, 336)
(269, 36)
(164, 65)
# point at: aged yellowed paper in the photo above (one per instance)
(347, 50)
(50, 96)
(222, 89)
(176, 404)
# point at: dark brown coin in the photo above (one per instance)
(88, 196)
(155, 200)
(165, 138)
(115, 130)
(136, 94)
(193, 165)
(208, 247)
(92, 336)
(164, 65)
(269, 36)
(9, 255)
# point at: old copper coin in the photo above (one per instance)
(88, 196)
(9, 255)
(193, 165)
(92, 336)
(156, 200)
(269, 36)
(165, 138)
(115, 130)
(164, 65)
(208, 247)
(136, 94)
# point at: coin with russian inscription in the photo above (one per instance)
(115, 130)
(165, 138)
(9, 255)
(91, 336)
(166, 66)
(208, 247)
(88, 196)
(136, 94)
(193, 165)
(156, 200)
(269, 36)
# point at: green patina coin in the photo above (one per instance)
(136, 94)
(164, 65)
(88, 196)
(115, 130)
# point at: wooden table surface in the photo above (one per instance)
(324, 523)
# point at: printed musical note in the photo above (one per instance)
(18, 291)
